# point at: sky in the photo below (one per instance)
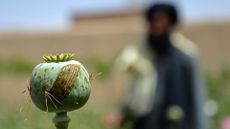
(37, 14)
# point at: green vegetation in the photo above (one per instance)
(100, 65)
(219, 91)
(21, 66)
(85, 118)
(18, 66)
(91, 116)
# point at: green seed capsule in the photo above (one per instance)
(60, 84)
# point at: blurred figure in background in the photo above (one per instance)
(167, 89)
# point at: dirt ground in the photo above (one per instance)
(213, 40)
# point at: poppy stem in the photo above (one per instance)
(61, 120)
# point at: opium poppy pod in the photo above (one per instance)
(60, 84)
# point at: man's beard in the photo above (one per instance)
(159, 44)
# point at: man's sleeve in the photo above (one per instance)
(200, 97)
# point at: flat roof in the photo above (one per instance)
(107, 14)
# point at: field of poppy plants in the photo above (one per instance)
(17, 110)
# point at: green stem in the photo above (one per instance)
(61, 120)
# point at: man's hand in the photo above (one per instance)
(114, 119)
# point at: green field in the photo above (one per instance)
(17, 112)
